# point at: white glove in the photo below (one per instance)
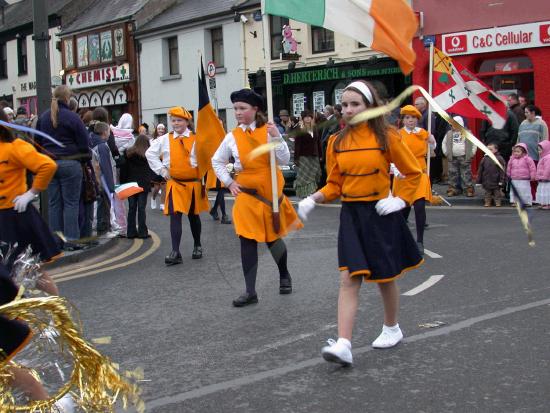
(390, 204)
(305, 206)
(165, 173)
(21, 201)
(395, 171)
(230, 167)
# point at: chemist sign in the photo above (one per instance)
(98, 77)
(521, 36)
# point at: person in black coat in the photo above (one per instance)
(135, 168)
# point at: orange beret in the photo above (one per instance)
(411, 110)
(180, 112)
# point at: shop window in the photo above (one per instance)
(276, 33)
(222, 115)
(217, 46)
(161, 118)
(507, 64)
(322, 40)
(3, 61)
(508, 75)
(22, 55)
(173, 59)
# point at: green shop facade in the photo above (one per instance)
(314, 87)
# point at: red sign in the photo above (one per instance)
(545, 33)
(456, 44)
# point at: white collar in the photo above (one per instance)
(251, 126)
(185, 133)
(415, 130)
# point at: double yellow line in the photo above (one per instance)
(84, 272)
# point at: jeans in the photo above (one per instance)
(137, 203)
(63, 198)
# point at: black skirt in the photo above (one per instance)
(380, 248)
(28, 228)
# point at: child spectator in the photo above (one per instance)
(136, 169)
(543, 175)
(104, 166)
(459, 152)
(521, 170)
(491, 177)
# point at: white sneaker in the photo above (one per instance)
(338, 351)
(389, 337)
(161, 207)
(65, 404)
(153, 203)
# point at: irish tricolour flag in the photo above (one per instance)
(387, 26)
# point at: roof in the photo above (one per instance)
(244, 4)
(188, 11)
(102, 12)
(20, 13)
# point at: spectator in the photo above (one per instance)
(9, 113)
(73, 105)
(515, 107)
(459, 152)
(491, 177)
(532, 131)
(284, 117)
(65, 188)
(124, 132)
(543, 176)
(522, 170)
(505, 138)
(307, 154)
(104, 167)
(136, 169)
(100, 114)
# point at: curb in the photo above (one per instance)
(73, 257)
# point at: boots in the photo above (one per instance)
(451, 191)
(498, 202)
(488, 202)
(470, 191)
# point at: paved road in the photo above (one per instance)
(201, 355)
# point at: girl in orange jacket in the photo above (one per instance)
(374, 242)
(252, 211)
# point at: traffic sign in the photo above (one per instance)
(211, 69)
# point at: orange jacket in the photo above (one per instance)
(359, 171)
(15, 158)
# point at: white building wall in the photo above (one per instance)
(158, 95)
(21, 86)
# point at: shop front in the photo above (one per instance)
(314, 87)
(107, 86)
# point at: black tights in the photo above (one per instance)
(249, 258)
(176, 223)
(220, 201)
(419, 217)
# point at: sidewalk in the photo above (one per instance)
(71, 257)
(462, 199)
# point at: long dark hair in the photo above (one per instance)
(379, 125)
(6, 134)
(139, 147)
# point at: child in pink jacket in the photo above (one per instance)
(543, 175)
(521, 170)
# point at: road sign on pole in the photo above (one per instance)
(211, 69)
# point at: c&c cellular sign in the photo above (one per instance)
(521, 36)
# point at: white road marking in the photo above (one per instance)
(239, 382)
(432, 254)
(425, 285)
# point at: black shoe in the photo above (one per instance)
(144, 236)
(214, 214)
(72, 246)
(173, 258)
(420, 248)
(131, 236)
(285, 285)
(197, 252)
(245, 299)
(225, 220)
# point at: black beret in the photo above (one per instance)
(250, 97)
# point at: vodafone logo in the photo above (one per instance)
(545, 33)
(457, 43)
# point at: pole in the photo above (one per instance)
(430, 87)
(269, 97)
(41, 39)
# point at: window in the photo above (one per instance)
(322, 40)
(173, 60)
(3, 61)
(217, 46)
(276, 27)
(161, 118)
(22, 55)
(360, 45)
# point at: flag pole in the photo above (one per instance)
(269, 98)
(430, 91)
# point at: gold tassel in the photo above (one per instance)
(95, 382)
